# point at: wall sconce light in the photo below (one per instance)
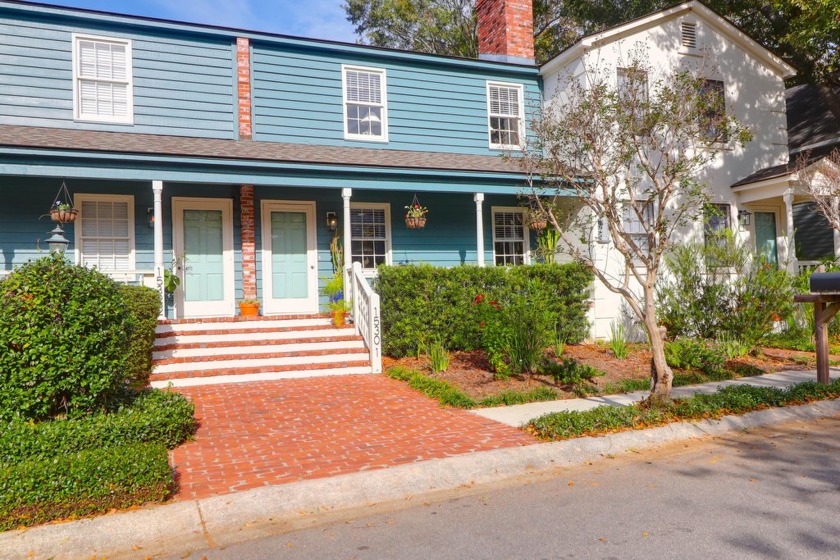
(744, 217)
(57, 243)
(150, 216)
(332, 221)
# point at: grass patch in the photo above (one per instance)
(729, 400)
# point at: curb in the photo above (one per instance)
(224, 520)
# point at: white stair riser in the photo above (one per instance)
(259, 362)
(247, 337)
(268, 376)
(242, 325)
(236, 350)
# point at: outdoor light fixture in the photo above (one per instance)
(150, 216)
(332, 221)
(58, 243)
(744, 217)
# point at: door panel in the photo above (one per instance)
(765, 236)
(290, 257)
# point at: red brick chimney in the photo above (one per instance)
(505, 30)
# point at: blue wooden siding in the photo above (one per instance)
(182, 86)
(298, 97)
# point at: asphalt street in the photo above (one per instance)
(770, 493)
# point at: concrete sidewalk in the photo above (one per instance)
(184, 526)
(519, 415)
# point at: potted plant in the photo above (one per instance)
(415, 217)
(63, 212)
(334, 290)
(249, 307)
(537, 219)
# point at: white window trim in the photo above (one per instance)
(78, 200)
(365, 137)
(375, 205)
(521, 117)
(129, 70)
(526, 232)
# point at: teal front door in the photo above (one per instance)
(765, 237)
(203, 243)
(289, 254)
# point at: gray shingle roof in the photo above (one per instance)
(809, 120)
(246, 150)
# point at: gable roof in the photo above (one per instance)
(703, 12)
(810, 122)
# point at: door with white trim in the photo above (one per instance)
(202, 230)
(289, 257)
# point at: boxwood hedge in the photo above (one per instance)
(144, 305)
(421, 302)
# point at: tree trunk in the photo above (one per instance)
(661, 375)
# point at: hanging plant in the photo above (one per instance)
(62, 210)
(537, 220)
(415, 216)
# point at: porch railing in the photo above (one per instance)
(807, 266)
(136, 277)
(366, 315)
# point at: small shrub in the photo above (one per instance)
(731, 346)
(64, 340)
(91, 481)
(618, 340)
(144, 305)
(688, 353)
(438, 356)
(569, 371)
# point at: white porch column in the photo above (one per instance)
(348, 256)
(836, 243)
(157, 189)
(478, 198)
(791, 241)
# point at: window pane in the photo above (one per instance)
(368, 232)
(509, 238)
(105, 234)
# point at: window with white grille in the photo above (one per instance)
(102, 80)
(638, 219)
(505, 110)
(105, 232)
(370, 235)
(688, 32)
(365, 110)
(510, 237)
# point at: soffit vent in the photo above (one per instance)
(689, 35)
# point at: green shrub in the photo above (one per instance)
(618, 340)
(509, 398)
(421, 302)
(154, 416)
(438, 356)
(690, 353)
(64, 340)
(569, 371)
(144, 305)
(83, 483)
(437, 389)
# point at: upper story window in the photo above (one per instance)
(370, 234)
(505, 111)
(365, 104)
(102, 80)
(105, 232)
(637, 220)
(632, 88)
(510, 237)
(717, 222)
(713, 99)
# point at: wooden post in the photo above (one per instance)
(821, 341)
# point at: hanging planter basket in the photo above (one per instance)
(62, 210)
(415, 216)
(537, 224)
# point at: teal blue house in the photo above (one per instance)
(235, 157)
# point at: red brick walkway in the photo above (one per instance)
(274, 432)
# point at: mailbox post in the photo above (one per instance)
(825, 295)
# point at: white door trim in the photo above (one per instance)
(226, 307)
(279, 306)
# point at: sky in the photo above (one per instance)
(319, 19)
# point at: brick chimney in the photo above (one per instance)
(505, 30)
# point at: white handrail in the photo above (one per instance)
(366, 315)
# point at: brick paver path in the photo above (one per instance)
(274, 432)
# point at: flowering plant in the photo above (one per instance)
(416, 211)
(60, 206)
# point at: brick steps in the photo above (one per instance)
(224, 350)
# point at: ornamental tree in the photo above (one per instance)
(820, 177)
(630, 160)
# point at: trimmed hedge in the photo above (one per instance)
(154, 416)
(83, 483)
(420, 302)
(144, 305)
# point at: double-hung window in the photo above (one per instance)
(638, 218)
(505, 111)
(365, 104)
(105, 232)
(510, 237)
(717, 222)
(102, 80)
(713, 110)
(370, 234)
(632, 88)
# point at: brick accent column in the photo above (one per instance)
(243, 87)
(505, 29)
(249, 241)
